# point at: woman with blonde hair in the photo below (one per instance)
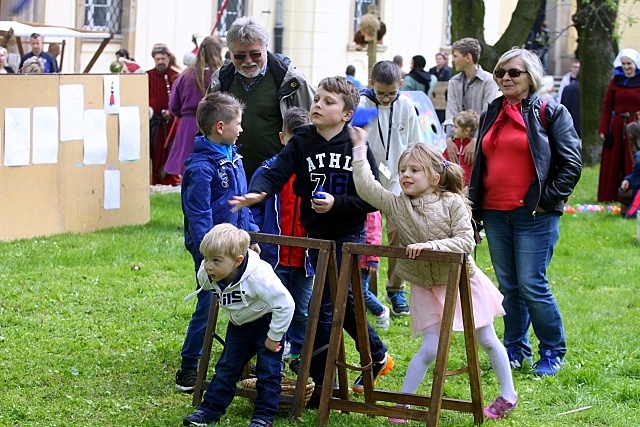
(4, 66)
(187, 92)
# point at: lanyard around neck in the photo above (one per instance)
(388, 144)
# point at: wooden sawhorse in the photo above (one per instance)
(326, 266)
(339, 399)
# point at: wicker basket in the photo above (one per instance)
(288, 387)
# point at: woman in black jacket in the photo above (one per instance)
(527, 162)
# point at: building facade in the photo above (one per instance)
(318, 36)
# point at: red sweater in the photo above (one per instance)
(509, 166)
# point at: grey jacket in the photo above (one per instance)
(294, 90)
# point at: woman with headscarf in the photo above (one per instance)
(187, 92)
(621, 106)
(527, 162)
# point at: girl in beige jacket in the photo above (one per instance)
(432, 214)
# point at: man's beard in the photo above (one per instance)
(250, 75)
(161, 67)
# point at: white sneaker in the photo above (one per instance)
(286, 352)
(382, 321)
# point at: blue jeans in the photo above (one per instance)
(299, 286)
(521, 246)
(241, 344)
(370, 300)
(325, 317)
(192, 346)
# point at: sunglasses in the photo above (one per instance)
(252, 55)
(513, 72)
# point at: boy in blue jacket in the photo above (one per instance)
(213, 174)
(319, 155)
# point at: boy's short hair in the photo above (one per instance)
(468, 45)
(633, 134)
(293, 118)
(217, 107)
(386, 73)
(350, 71)
(225, 239)
(467, 119)
(344, 87)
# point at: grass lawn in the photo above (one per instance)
(91, 328)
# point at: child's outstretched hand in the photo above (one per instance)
(358, 136)
(414, 249)
(272, 345)
(249, 199)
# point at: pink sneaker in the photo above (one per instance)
(499, 408)
(398, 420)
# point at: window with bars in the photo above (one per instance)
(103, 15)
(233, 10)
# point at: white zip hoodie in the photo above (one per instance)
(258, 292)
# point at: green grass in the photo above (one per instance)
(91, 328)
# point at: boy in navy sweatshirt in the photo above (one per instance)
(320, 157)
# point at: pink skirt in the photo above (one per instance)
(427, 304)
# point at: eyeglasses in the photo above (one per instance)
(252, 55)
(390, 95)
(513, 72)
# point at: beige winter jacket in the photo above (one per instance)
(443, 220)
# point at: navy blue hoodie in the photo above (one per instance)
(318, 162)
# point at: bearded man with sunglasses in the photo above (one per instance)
(267, 83)
(528, 161)
(471, 89)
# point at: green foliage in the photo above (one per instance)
(91, 328)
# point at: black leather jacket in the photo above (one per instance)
(555, 150)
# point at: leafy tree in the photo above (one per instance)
(595, 22)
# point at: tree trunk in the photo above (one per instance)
(595, 21)
(467, 20)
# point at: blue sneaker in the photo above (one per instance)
(549, 364)
(259, 423)
(398, 303)
(200, 418)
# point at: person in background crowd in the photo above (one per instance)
(187, 92)
(4, 68)
(621, 106)
(48, 62)
(351, 76)
(161, 80)
(418, 79)
(442, 71)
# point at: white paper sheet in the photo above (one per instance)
(95, 139)
(112, 189)
(71, 112)
(129, 144)
(111, 93)
(45, 135)
(17, 136)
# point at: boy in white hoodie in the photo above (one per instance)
(395, 128)
(259, 308)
